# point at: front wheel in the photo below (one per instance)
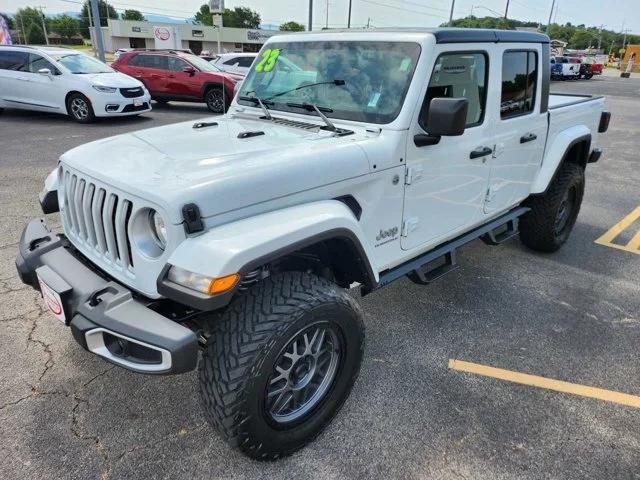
(216, 100)
(80, 109)
(553, 214)
(280, 362)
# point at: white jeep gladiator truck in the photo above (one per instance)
(347, 158)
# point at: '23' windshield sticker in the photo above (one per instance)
(268, 60)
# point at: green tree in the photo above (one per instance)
(239, 17)
(30, 19)
(292, 27)
(9, 20)
(133, 15)
(106, 11)
(65, 26)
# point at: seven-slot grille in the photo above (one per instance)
(98, 218)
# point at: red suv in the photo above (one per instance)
(175, 75)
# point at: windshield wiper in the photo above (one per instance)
(310, 107)
(260, 102)
(330, 82)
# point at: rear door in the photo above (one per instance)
(520, 127)
(150, 69)
(13, 78)
(446, 182)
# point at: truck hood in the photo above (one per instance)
(215, 167)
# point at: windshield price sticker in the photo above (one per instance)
(268, 60)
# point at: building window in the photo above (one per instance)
(519, 77)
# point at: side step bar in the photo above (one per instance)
(495, 232)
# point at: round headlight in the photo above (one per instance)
(158, 229)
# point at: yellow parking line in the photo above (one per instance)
(634, 245)
(548, 383)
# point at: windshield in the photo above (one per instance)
(79, 63)
(202, 64)
(365, 81)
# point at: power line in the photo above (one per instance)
(402, 9)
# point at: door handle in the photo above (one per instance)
(528, 138)
(481, 152)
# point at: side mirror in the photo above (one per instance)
(447, 117)
(189, 70)
(45, 71)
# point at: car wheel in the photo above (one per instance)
(280, 362)
(80, 109)
(216, 100)
(161, 101)
(546, 227)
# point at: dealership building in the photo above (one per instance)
(133, 34)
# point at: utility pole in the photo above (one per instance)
(368, 21)
(506, 10)
(600, 37)
(453, 4)
(349, 17)
(44, 26)
(97, 29)
(326, 25)
(553, 4)
(24, 33)
(310, 14)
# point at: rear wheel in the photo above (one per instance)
(280, 362)
(552, 217)
(80, 109)
(216, 100)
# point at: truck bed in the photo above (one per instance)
(559, 100)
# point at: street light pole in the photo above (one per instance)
(553, 4)
(349, 17)
(310, 14)
(97, 29)
(506, 10)
(453, 4)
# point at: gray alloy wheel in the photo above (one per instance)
(79, 107)
(303, 373)
(215, 100)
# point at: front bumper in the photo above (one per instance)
(115, 105)
(105, 317)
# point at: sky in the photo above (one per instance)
(615, 15)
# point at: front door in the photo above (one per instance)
(446, 183)
(521, 129)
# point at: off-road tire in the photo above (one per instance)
(79, 115)
(539, 228)
(244, 346)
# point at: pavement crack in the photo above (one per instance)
(81, 434)
(45, 346)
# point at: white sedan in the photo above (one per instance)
(65, 81)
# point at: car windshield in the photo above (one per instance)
(82, 64)
(202, 64)
(358, 80)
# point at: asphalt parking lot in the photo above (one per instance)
(572, 316)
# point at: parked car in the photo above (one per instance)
(238, 236)
(596, 68)
(585, 68)
(59, 80)
(555, 69)
(180, 76)
(120, 51)
(570, 71)
(235, 62)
